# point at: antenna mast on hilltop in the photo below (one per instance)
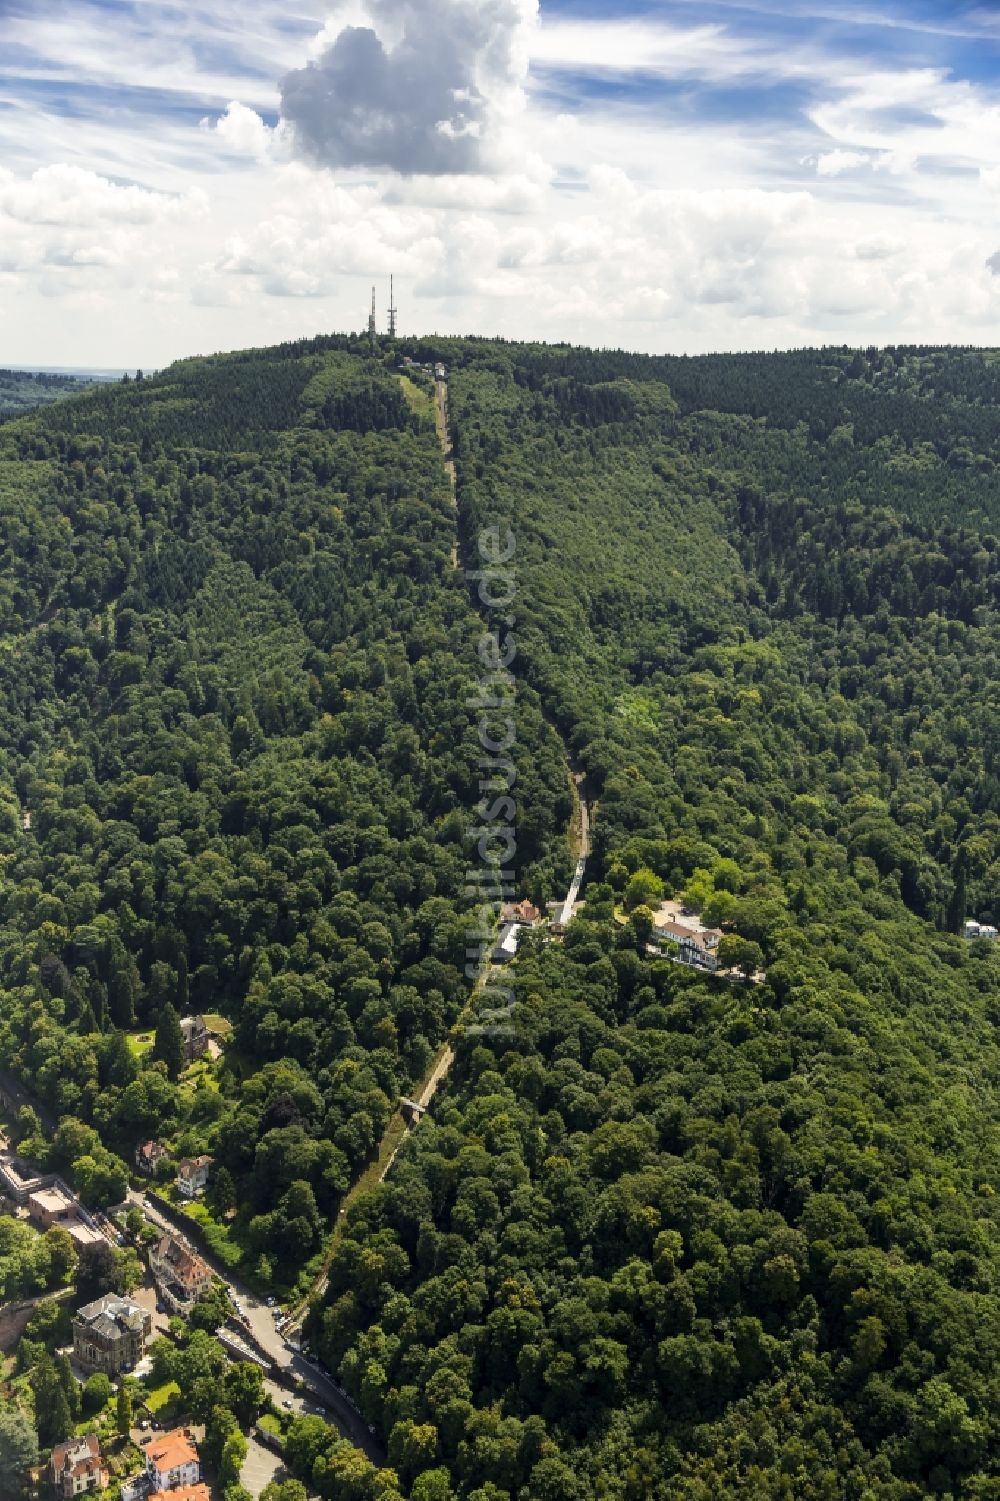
(392, 312)
(372, 330)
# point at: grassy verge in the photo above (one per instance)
(417, 400)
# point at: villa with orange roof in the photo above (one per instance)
(172, 1462)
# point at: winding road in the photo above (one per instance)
(289, 1366)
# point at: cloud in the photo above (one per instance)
(242, 131)
(414, 86)
(70, 228)
(307, 245)
(911, 116)
(463, 138)
(64, 194)
(634, 45)
(833, 163)
(878, 248)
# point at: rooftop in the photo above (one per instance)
(52, 1200)
(171, 1450)
(523, 911)
(75, 1451)
(84, 1235)
(676, 930)
(183, 1262)
(112, 1314)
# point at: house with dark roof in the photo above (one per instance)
(110, 1334)
(149, 1155)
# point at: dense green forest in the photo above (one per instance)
(232, 696)
(22, 390)
(664, 1235)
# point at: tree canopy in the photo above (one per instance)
(665, 1235)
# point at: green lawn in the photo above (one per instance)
(160, 1397)
(201, 1072)
(418, 401)
(220, 1241)
(217, 1025)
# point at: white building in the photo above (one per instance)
(192, 1175)
(77, 1467)
(697, 946)
(507, 942)
(172, 1461)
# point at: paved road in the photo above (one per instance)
(581, 865)
(290, 1366)
(260, 1467)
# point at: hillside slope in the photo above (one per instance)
(22, 391)
(238, 764)
(665, 1234)
(677, 1237)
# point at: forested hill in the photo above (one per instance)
(22, 391)
(238, 769)
(666, 1235)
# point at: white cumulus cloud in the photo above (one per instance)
(413, 86)
(242, 132)
(65, 194)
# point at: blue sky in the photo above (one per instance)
(691, 174)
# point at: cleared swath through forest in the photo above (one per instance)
(402, 1124)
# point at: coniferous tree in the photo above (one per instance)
(168, 1043)
(958, 904)
(123, 1411)
(18, 1451)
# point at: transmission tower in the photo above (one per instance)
(372, 330)
(392, 312)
